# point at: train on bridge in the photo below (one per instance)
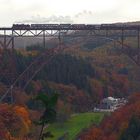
(64, 26)
(74, 26)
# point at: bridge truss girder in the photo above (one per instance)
(7, 36)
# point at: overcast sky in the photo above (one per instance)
(74, 11)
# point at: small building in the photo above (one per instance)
(110, 104)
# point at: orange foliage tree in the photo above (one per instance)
(14, 122)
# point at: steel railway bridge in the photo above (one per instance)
(116, 33)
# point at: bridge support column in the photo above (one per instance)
(44, 39)
(106, 33)
(13, 43)
(59, 39)
(4, 40)
(138, 38)
(122, 38)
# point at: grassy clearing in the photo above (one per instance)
(74, 125)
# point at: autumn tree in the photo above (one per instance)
(49, 113)
(14, 122)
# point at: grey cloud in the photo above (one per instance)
(109, 16)
(85, 16)
(83, 13)
(51, 19)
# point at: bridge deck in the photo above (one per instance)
(76, 27)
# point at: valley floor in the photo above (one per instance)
(71, 128)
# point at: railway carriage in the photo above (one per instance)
(21, 26)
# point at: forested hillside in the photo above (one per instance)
(83, 74)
